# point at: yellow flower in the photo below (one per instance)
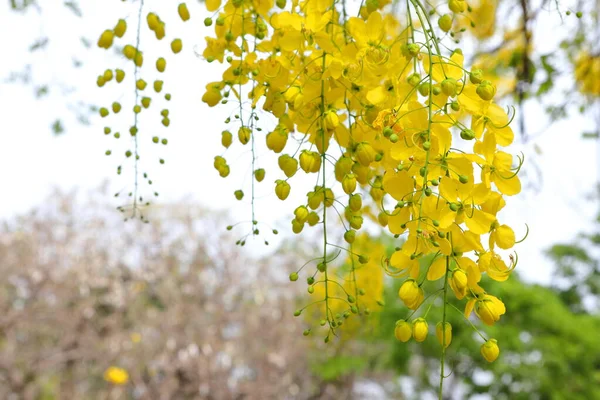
(403, 331)
(444, 333)
(420, 329)
(489, 309)
(411, 294)
(490, 350)
(116, 376)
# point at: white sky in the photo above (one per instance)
(33, 161)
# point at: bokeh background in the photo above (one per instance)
(190, 315)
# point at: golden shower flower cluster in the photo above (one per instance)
(587, 73)
(147, 93)
(394, 129)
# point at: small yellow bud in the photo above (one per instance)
(310, 161)
(365, 154)
(301, 213)
(116, 107)
(140, 84)
(449, 87)
(211, 97)
(153, 21)
(313, 218)
(489, 309)
(457, 6)
(103, 112)
(120, 75)
(490, 350)
(420, 329)
(486, 91)
(349, 183)
(129, 51)
(403, 331)
(446, 331)
(355, 202)
(108, 75)
(226, 139)
(120, 28)
(244, 134)
(288, 165)
(411, 294)
(458, 283)
(445, 22)
(106, 39)
(176, 45)
(277, 139)
(116, 376)
(184, 14)
(342, 167)
(297, 226)
(282, 189)
(331, 120)
(146, 102)
(383, 218)
(138, 59)
(259, 174)
(239, 194)
(161, 64)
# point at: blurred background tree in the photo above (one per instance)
(187, 317)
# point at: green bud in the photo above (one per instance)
(467, 134)
(208, 21)
(297, 313)
(294, 276)
(463, 179)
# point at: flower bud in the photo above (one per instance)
(382, 218)
(489, 309)
(355, 202)
(458, 283)
(413, 79)
(486, 91)
(476, 76)
(313, 218)
(239, 194)
(282, 189)
(226, 138)
(420, 329)
(349, 183)
(350, 236)
(342, 167)
(184, 14)
(310, 161)
(331, 120)
(277, 139)
(449, 87)
(490, 350)
(356, 222)
(457, 6)
(445, 333)
(411, 294)
(445, 22)
(176, 45)
(301, 213)
(467, 134)
(280, 3)
(259, 174)
(436, 90)
(244, 134)
(365, 154)
(288, 165)
(106, 39)
(297, 226)
(403, 331)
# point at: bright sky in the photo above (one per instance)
(33, 161)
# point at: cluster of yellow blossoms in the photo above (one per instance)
(375, 109)
(587, 73)
(143, 99)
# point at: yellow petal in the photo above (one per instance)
(505, 237)
(437, 269)
(480, 222)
